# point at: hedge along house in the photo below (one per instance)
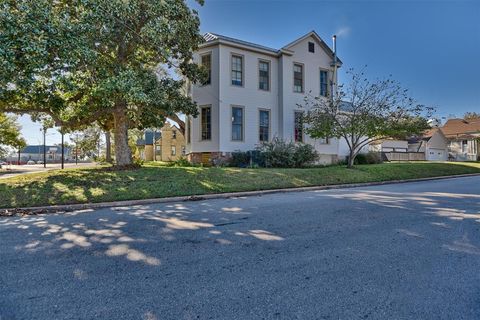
(166, 144)
(252, 95)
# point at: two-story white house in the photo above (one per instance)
(252, 95)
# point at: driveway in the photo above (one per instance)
(404, 251)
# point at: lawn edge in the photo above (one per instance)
(210, 196)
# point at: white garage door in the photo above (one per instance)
(436, 155)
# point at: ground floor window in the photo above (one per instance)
(206, 123)
(298, 126)
(174, 150)
(237, 123)
(264, 130)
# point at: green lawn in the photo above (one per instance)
(155, 181)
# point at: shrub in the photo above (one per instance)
(240, 159)
(281, 154)
(278, 153)
(361, 158)
(374, 157)
(304, 154)
(368, 158)
(181, 162)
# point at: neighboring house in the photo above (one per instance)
(252, 95)
(35, 153)
(389, 146)
(168, 143)
(432, 143)
(463, 139)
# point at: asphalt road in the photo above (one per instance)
(405, 251)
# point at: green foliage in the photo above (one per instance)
(82, 61)
(304, 154)
(471, 115)
(10, 133)
(240, 159)
(365, 111)
(86, 141)
(181, 162)
(282, 154)
(368, 158)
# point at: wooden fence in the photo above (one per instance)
(403, 156)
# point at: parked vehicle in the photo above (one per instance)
(30, 162)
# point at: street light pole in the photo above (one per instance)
(76, 149)
(334, 82)
(63, 157)
(44, 147)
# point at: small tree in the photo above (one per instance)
(363, 112)
(471, 115)
(10, 133)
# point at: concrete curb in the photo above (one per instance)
(127, 203)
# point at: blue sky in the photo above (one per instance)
(431, 47)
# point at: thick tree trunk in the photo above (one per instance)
(123, 154)
(108, 147)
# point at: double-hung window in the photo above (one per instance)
(298, 78)
(237, 123)
(323, 83)
(298, 126)
(264, 75)
(207, 64)
(174, 150)
(237, 70)
(264, 125)
(206, 123)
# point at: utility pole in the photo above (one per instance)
(334, 82)
(63, 153)
(44, 147)
(76, 151)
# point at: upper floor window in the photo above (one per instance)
(206, 123)
(323, 83)
(237, 70)
(207, 64)
(237, 123)
(311, 47)
(174, 134)
(298, 126)
(264, 129)
(264, 75)
(298, 78)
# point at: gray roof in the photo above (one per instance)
(39, 149)
(213, 36)
(148, 138)
(210, 37)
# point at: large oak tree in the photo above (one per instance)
(85, 61)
